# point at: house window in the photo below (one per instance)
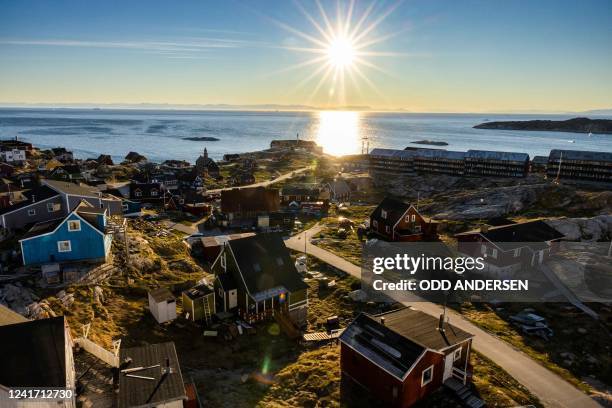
(394, 391)
(517, 252)
(50, 207)
(413, 217)
(64, 246)
(387, 229)
(31, 212)
(375, 224)
(427, 375)
(483, 249)
(457, 354)
(494, 253)
(74, 225)
(125, 207)
(383, 214)
(223, 261)
(153, 193)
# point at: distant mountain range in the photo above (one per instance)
(274, 107)
(575, 125)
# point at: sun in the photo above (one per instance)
(341, 48)
(341, 52)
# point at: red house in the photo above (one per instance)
(401, 357)
(394, 220)
(510, 248)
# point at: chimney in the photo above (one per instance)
(441, 323)
(484, 228)
(382, 320)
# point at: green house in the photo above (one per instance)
(255, 277)
(199, 303)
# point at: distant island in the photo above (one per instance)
(575, 125)
(202, 139)
(430, 142)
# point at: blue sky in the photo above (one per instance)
(432, 55)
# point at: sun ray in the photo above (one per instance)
(342, 47)
(362, 20)
(302, 64)
(378, 20)
(312, 21)
(328, 24)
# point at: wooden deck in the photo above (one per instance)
(322, 336)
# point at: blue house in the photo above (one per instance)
(80, 236)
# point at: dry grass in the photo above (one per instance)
(591, 350)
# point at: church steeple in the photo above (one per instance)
(205, 154)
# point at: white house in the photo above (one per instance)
(162, 305)
(13, 155)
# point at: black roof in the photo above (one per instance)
(43, 227)
(381, 345)
(227, 281)
(265, 263)
(509, 237)
(422, 329)
(33, 354)
(198, 291)
(39, 194)
(136, 392)
(161, 294)
(395, 210)
(555, 154)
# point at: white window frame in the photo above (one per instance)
(413, 218)
(70, 223)
(59, 246)
(154, 192)
(31, 212)
(494, 253)
(383, 214)
(125, 206)
(517, 252)
(430, 368)
(50, 207)
(138, 193)
(457, 354)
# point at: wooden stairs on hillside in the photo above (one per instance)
(287, 325)
(464, 393)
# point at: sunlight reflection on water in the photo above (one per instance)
(339, 132)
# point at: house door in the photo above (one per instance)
(448, 367)
(233, 298)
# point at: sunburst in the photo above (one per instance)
(342, 48)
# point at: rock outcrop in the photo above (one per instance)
(598, 228)
(576, 125)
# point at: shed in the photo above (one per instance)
(199, 302)
(162, 305)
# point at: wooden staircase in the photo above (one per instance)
(287, 325)
(464, 393)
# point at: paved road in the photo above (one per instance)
(267, 182)
(552, 390)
